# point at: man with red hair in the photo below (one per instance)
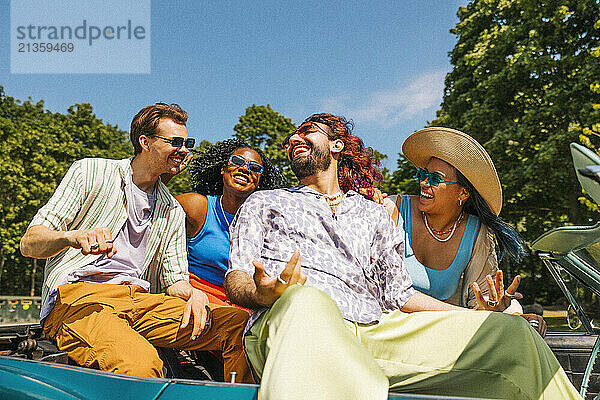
(334, 312)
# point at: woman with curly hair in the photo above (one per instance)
(223, 176)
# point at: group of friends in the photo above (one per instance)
(326, 290)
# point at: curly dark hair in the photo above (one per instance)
(357, 167)
(205, 168)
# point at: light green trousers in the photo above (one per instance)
(304, 349)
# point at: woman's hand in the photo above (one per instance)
(372, 193)
(498, 299)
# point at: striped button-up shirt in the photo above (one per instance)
(92, 195)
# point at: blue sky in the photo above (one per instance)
(379, 63)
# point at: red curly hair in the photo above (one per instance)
(357, 167)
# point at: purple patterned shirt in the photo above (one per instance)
(355, 255)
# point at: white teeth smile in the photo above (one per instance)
(300, 149)
(176, 158)
(242, 178)
(426, 195)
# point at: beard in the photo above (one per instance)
(317, 160)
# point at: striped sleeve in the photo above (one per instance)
(65, 203)
(174, 266)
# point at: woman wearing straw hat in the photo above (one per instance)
(452, 228)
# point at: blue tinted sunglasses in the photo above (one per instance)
(239, 162)
(433, 178)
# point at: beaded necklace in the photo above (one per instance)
(450, 231)
(334, 199)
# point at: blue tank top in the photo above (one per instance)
(208, 251)
(439, 284)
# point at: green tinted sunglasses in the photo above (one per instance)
(433, 178)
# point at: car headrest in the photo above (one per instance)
(587, 168)
(567, 238)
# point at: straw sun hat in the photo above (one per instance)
(463, 153)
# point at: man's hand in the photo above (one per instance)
(92, 241)
(268, 289)
(40, 241)
(498, 299)
(537, 322)
(196, 308)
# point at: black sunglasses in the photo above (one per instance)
(178, 141)
(433, 178)
(239, 161)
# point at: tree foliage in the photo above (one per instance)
(401, 180)
(36, 149)
(525, 83)
(263, 127)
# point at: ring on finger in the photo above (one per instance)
(94, 246)
(534, 323)
(510, 296)
(492, 303)
(281, 280)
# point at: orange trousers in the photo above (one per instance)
(115, 328)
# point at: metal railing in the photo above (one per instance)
(19, 309)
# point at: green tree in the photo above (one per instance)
(263, 127)
(525, 84)
(36, 149)
(401, 180)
